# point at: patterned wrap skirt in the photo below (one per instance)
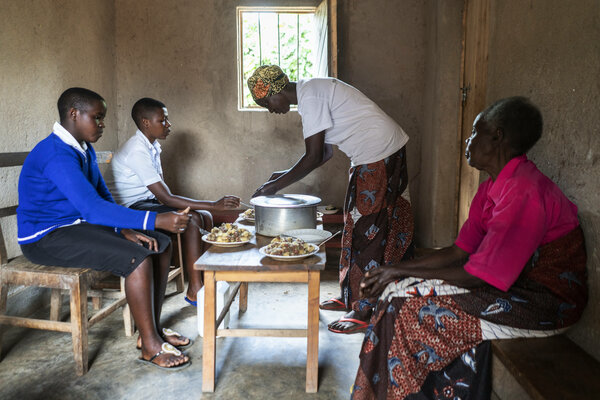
(430, 340)
(378, 224)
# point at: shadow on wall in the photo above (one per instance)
(182, 150)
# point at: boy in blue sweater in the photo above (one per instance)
(67, 217)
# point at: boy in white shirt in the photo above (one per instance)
(138, 183)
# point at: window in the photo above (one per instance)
(295, 38)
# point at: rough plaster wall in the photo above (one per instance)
(185, 55)
(382, 53)
(551, 53)
(46, 47)
(435, 211)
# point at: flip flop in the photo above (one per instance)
(166, 348)
(192, 302)
(333, 305)
(170, 332)
(166, 332)
(360, 326)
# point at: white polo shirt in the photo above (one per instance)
(350, 120)
(135, 166)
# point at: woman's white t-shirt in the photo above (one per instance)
(350, 120)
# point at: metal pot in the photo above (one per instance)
(278, 213)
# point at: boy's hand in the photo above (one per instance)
(175, 222)
(140, 238)
(228, 202)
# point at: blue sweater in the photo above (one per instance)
(60, 186)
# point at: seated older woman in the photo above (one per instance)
(517, 269)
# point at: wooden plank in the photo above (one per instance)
(12, 159)
(8, 211)
(475, 66)
(243, 297)
(34, 323)
(209, 339)
(55, 303)
(550, 368)
(332, 13)
(267, 276)
(106, 311)
(312, 345)
(104, 157)
(263, 332)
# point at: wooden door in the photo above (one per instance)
(476, 20)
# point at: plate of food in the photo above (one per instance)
(287, 248)
(248, 215)
(309, 235)
(228, 235)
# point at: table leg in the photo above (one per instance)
(243, 296)
(209, 340)
(312, 351)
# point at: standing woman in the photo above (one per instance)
(378, 222)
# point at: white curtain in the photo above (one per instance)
(322, 56)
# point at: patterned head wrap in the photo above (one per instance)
(266, 81)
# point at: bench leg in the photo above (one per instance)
(127, 317)
(55, 304)
(3, 296)
(79, 325)
(312, 350)
(243, 296)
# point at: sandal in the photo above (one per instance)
(333, 305)
(166, 332)
(359, 326)
(166, 348)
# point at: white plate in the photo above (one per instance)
(226, 244)
(309, 235)
(288, 258)
(243, 216)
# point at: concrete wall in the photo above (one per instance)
(549, 50)
(185, 55)
(382, 53)
(46, 47)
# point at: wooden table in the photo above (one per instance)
(245, 264)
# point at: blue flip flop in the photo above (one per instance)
(192, 302)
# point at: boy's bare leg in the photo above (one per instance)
(139, 288)
(162, 264)
(193, 247)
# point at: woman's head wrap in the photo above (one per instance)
(267, 80)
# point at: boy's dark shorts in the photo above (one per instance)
(92, 246)
(151, 205)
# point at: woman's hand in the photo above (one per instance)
(375, 280)
(175, 222)
(266, 189)
(227, 202)
(140, 238)
(277, 174)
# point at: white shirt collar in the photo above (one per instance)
(66, 137)
(152, 146)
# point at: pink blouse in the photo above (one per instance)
(510, 218)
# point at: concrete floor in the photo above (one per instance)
(39, 364)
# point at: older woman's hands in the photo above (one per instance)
(375, 280)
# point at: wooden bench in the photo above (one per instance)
(548, 368)
(79, 283)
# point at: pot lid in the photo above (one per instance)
(285, 201)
